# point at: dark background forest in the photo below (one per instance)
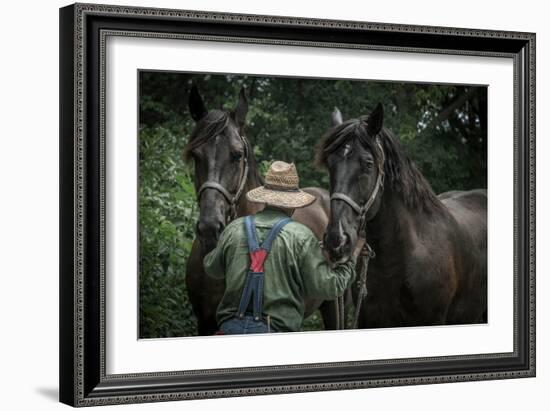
(443, 128)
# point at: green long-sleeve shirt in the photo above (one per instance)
(295, 269)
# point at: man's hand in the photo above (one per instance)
(356, 252)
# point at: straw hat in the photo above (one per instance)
(281, 188)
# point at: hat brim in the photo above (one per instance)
(284, 199)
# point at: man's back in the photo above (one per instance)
(295, 268)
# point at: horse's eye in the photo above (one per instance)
(367, 164)
(236, 156)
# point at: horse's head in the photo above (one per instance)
(220, 153)
(354, 157)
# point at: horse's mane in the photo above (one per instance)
(210, 126)
(401, 174)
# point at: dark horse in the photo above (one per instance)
(431, 253)
(225, 169)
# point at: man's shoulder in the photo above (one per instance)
(232, 230)
(300, 230)
(293, 227)
(235, 225)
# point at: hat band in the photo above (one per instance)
(279, 188)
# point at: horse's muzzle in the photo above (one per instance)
(208, 232)
(337, 245)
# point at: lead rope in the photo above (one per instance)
(337, 313)
(366, 254)
(342, 319)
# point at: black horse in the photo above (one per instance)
(225, 169)
(431, 253)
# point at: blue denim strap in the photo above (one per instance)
(277, 227)
(258, 296)
(248, 291)
(254, 282)
(250, 228)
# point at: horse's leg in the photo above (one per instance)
(468, 309)
(376, 314)
(470, 305)
(207, 324)
(328, 312)
(402, 307)
(204, 299)
(427, 312)
(194, 286)
(204, 293)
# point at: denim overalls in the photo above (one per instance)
(244, 321)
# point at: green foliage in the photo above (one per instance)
(442, 127)
(167, 215)
(314, 322)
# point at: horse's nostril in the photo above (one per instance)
(336, 242)
(341, 244)
(344, 240)
(209, 230)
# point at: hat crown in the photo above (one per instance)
(282, 175)
(281, 188)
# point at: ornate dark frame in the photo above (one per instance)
(83, 30)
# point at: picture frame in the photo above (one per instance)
(84, 380)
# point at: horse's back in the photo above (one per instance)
(316, 215)
(469, 208)
(478, 193)
(323, 197)
(473, 201)
(448, 194)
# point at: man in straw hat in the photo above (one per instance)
(271, 263)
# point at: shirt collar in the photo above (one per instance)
(269, 214)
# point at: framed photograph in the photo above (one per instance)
(262, 204)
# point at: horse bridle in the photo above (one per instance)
(379, 185)
(231, 199)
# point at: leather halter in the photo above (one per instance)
(231, 199)
(362, 210)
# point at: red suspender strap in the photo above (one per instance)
(257, 259)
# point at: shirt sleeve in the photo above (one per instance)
(214, 261)
(319, 278)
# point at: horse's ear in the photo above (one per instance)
(241, 109)
(336, 117)
(197, 107)
(375, 120)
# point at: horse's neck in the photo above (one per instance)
(398, 221)
(390, 230)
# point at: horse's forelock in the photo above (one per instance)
(208, 127)
(348, 132)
